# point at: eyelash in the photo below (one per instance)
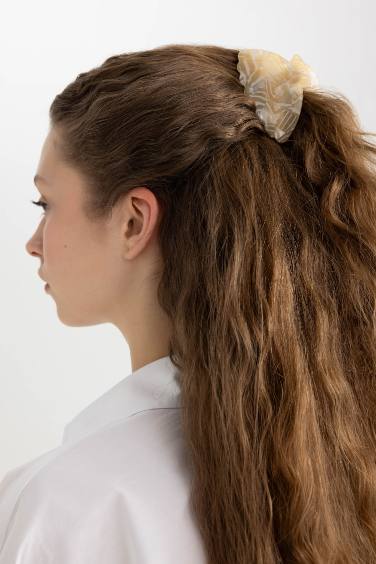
(40, 203)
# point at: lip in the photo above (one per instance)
(46, 287)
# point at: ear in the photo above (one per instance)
(141, 214)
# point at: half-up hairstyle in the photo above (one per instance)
(269, 279)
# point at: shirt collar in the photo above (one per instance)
(153, 386)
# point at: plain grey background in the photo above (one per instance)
(48, 371)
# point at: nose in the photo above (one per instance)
(33, 248)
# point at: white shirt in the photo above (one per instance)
(116, 491)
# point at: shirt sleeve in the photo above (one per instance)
(48, 527)
(12, 486)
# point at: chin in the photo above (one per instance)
(78, 320)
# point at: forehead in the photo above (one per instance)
(49, 158)
(38, 179)
(52, 172)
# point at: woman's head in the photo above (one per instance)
(266, 262)
(94, 270)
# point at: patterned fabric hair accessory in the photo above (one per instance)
(276, 86)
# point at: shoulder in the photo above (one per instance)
(123, 450)
(126, 476)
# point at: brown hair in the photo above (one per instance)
(269, 257)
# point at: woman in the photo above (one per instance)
(222, 214)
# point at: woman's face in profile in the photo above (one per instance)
(81, 261)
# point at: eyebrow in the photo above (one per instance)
(38, 178)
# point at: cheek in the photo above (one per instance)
(59, 248)
(80, 258)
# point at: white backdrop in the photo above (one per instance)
(48, 371)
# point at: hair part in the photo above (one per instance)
(269, 256)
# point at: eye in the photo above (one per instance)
(40, 203)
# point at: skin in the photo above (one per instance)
(106, 272)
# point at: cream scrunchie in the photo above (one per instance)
(276, 86)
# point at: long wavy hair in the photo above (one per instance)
(269, 257)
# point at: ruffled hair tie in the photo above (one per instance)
(276, 86)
